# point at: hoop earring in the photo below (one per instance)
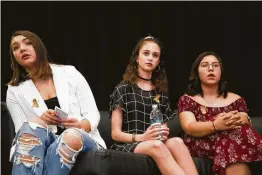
(158, 68)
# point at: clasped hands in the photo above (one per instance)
(153, 132)
(50, 117)
(230, 120)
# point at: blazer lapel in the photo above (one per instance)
(61, 86)
(32, 97)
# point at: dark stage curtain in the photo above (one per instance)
(98, 37)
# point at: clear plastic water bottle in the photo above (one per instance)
(156, 117)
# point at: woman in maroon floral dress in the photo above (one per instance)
(215, 121)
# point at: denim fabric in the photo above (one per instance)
(45, 151)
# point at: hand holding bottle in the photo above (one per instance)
(156, 131)
(156, 119)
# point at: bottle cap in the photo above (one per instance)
(154, 106)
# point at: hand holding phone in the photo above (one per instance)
(61, 113)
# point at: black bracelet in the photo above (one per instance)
(133, 137)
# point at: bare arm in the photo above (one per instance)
(118, 135)
(201, 129)
(194, 128)
(116, 125)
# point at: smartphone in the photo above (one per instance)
(60, 112)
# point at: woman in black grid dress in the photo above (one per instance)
(144, 84)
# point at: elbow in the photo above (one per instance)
(114, 135)
(187, 129)
(191, 132)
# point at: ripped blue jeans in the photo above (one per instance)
(39, 151)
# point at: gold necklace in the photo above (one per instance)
(210, 104)
(203, 108)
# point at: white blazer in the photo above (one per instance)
(74, 95)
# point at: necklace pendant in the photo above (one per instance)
(203, 109)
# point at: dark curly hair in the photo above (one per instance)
(194, 87)
(159, 77)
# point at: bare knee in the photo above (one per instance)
(73, 139)
(70, 145)
(157, 145)
(174, 142)
(156, 148)
(238, 169)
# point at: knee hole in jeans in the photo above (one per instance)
(70, 145)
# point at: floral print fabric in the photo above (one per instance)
(225, 147)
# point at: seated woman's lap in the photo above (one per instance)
(45, 144)
(227, 147)
(243, 144)
(152, 147)
(66, 151)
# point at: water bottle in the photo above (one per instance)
(156, 117)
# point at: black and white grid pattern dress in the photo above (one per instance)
(136, 105)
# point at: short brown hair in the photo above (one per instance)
(42, 68)
(159, 77)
